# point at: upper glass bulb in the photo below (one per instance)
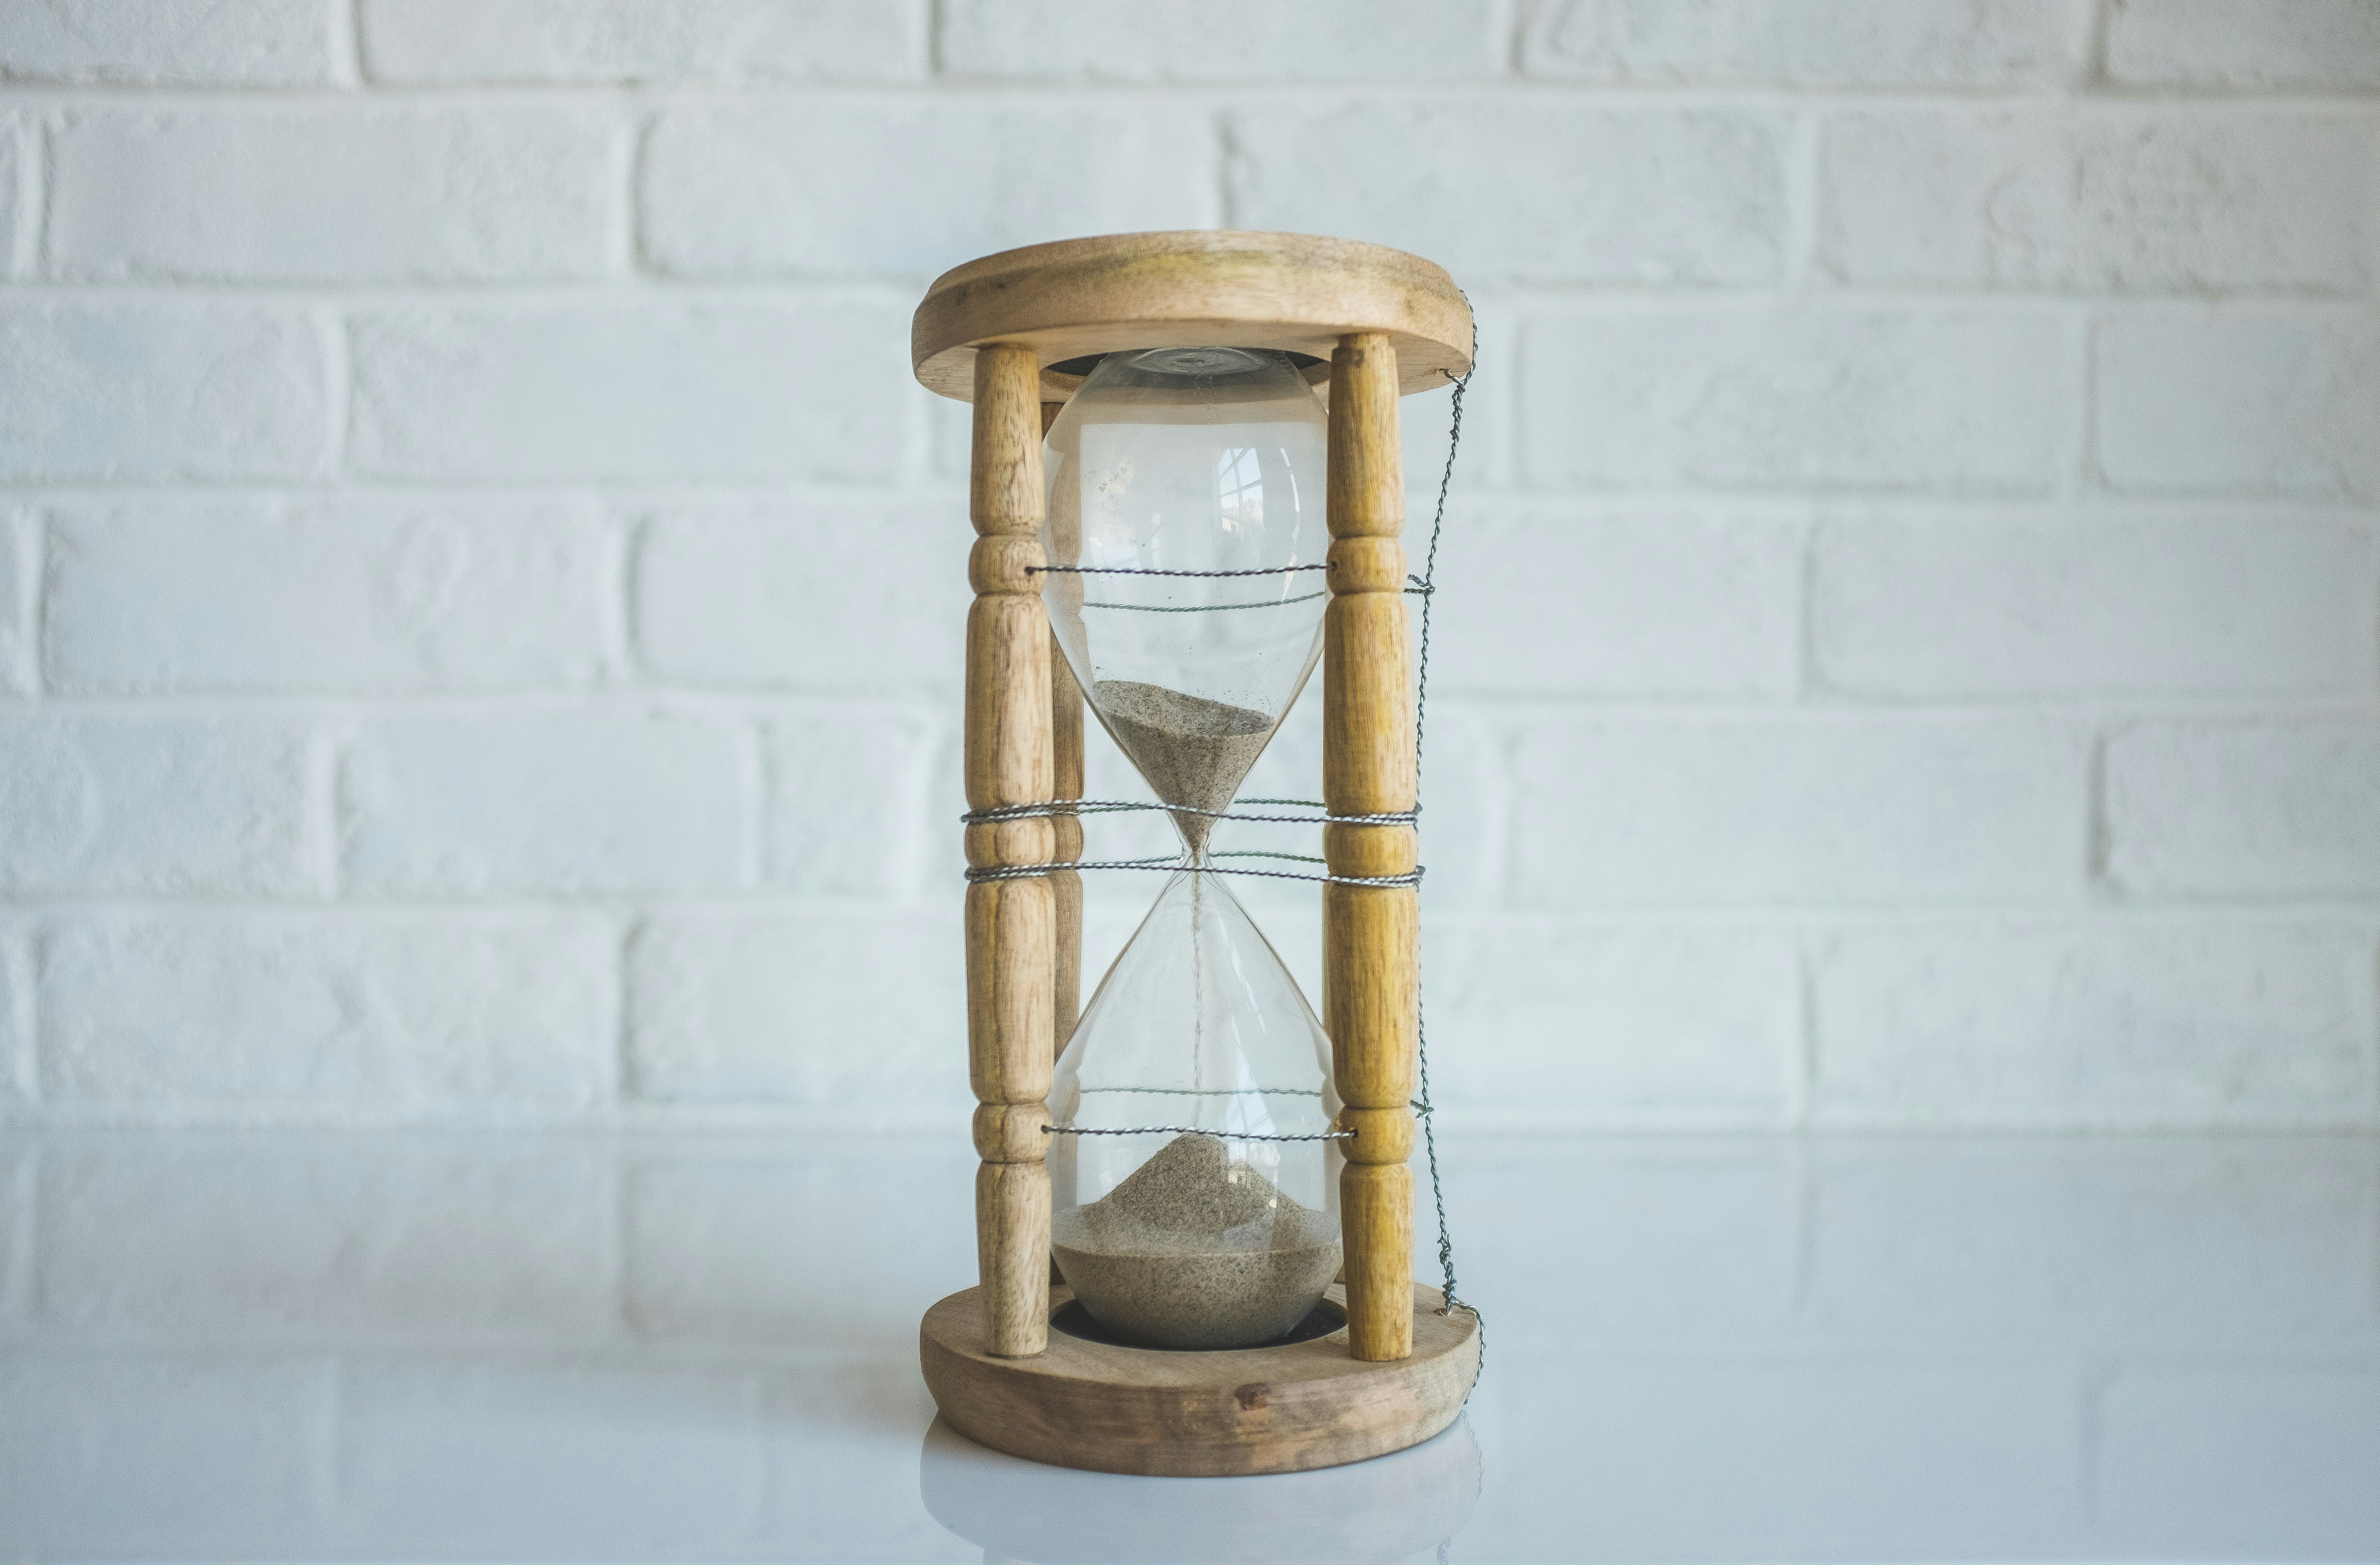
(1189, 459)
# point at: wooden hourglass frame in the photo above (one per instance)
(1001, 332)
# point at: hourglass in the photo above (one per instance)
(1193, 1213)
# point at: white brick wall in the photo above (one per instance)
(481, 595)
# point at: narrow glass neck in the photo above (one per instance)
(1196, 832)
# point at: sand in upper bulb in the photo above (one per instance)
(1193, 751)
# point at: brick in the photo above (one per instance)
(821, 595)
(1809, 42)
(640, 41)
(2148, 1242)
(2270, 1459)
(299, 1014)
(2239, 404)
(341, 1242)
(334, 194)
(1232, 41)
(19, 533)
(19, 1070)
(154, 805)
(1640, 195)
(848, 808)
(707, 1260)
(1653, 601)
(763, 1007)
(1638, 811)
(2126, 1025)
(256, 43)
(529, 1457)
(2255, 808)
(545, 802)
(2128, 200)
(360, 593)
(1848, 1454)
(2310, 45)
(745, 188)
(158, 392)
(1637, 1025)
(2068, 602)
(150, 1453)
(1825, 399)
(17, 1165)
(17, 162)
(714, 392)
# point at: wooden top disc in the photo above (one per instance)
(1190, 288)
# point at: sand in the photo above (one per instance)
(1194, 1250)
(1193, 751)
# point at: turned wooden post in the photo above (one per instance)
(1370, 934)
(1010, 925)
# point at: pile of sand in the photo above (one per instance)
(1196, 1250)
(1193, 751)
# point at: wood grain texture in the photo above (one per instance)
(1012, 1240)
(1376, 1219)
(1366, 476)
(1206, 1414)
(1298, 293)
(1371, 944)
(1004, 477)
(1008, 760)
(1367, 718)
(1370, 934)
(1012, 926)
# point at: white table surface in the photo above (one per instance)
(533, 1346)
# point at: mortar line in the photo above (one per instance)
(2094, 80)
(342, 24)
(29, 554)
(1621, 97)
(792, 287)
(338, 390)
(1802, 1084)
(30, 198)
(19, 951)
(1804, 197)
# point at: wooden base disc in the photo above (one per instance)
(1197, 1415)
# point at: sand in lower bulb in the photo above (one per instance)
(1196, 1249)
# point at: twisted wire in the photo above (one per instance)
(1032, 872)
(1426, 1109)
(1195, 1130)
(1114, 806)
(1136, 570)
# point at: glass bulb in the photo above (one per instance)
(1189, 459)
(1195, 1235)
(1183, 1215)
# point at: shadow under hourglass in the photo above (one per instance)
(1387, 1509)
